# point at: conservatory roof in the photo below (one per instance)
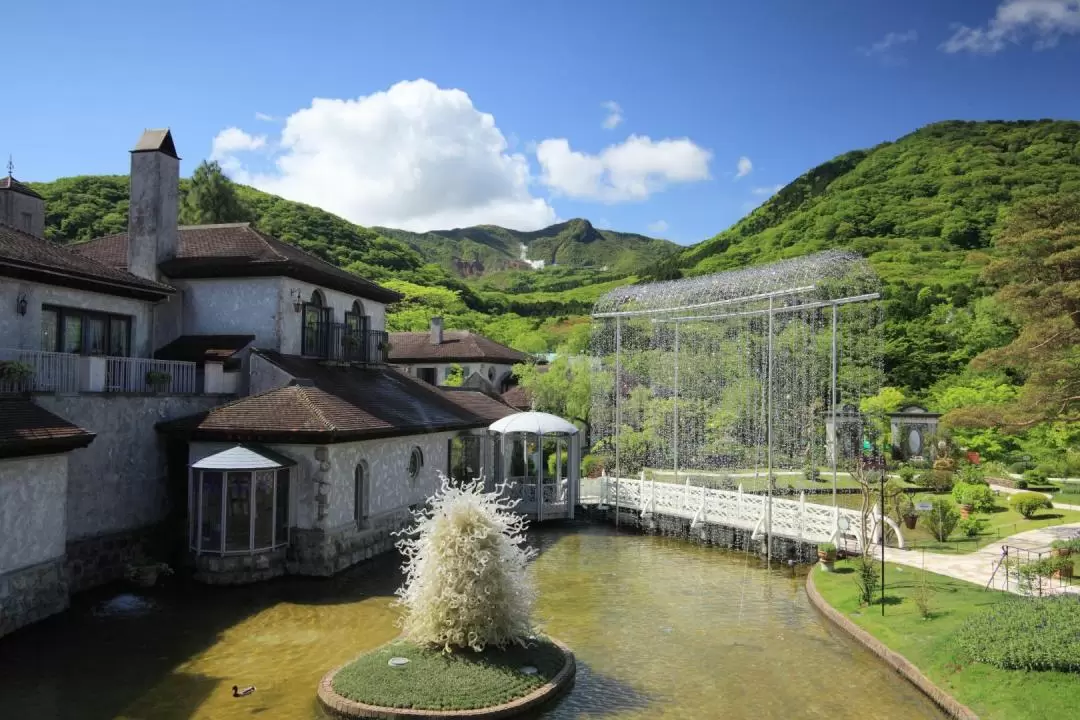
(827, 275)
(244, 457)
(537, 423)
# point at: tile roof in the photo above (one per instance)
(10, 183)
(156, 140)
(328, 404)
(518, 397)
(479, 403)
(200, 348)
(457, 346)
(29, 429)
(239, 250)
(27, 256)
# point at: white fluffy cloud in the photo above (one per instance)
(415, 156)
(744, 167)
(658, 227)
(767, 191)
(1044, 21)
(264, 117)
(614, 116)
(631, 170)
(885, 49)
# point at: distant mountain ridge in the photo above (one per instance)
(483, 249)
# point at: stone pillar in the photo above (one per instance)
(213, 378)
(92, 372)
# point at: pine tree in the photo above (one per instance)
(211, 198)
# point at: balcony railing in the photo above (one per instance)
(67, 373)
(344, 343)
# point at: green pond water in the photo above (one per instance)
(661, 629)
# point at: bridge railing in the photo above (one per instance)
(795, 519)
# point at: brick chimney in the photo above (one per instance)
(436, 331)
(155, 192)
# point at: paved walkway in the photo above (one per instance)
(978, 567)
(1012, 491)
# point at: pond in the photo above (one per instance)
(661, 629)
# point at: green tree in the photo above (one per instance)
(562, 388)
(211, 198)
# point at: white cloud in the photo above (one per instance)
(233, 140)
(1044, 21)
(631, 170)
(658, 227)
(264, 117)
(744, 167)
(415, 156)
(885, 48)
(614, 116)
(767, 191)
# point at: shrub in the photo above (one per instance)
(1035, 477)
(1022, 484)
(591, 465)
(907, 473)
(942, 519)
(923, 596)
(1025, 634)
(980, 497)
(812, 474)
(14, 371)
(1019, 467)
(936, 480)
(1029, 503)
(552, 465)
(970, 527)
(466, 583)
(866, 578)
(1072, 545)
(827, 548)
(945, 464)
(971, 474)
(995, 470)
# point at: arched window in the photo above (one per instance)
(355, 341)
(317, 318)
(361, 494)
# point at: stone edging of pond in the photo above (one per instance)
(893, 659)
(341, 706)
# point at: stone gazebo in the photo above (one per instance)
(529, 438)
(912, 429)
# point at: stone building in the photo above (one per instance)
(431, 356)
(210, 387)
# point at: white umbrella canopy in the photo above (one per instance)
(537, 423)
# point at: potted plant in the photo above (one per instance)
(158, 381)
(826, 553)
(15, 373)
(909, 515)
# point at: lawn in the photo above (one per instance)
(462, 680)
(991, 693)
(997, 525)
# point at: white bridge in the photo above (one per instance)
(793, 519)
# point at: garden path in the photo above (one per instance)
(978, 567)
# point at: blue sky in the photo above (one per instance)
(452, 113)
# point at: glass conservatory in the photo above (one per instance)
(238, 502)
(541, 463)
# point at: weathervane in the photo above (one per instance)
(10, 166)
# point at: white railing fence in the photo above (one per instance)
(794, 519)
(146, 375)
(49, 371)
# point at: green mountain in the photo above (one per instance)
(483, 249)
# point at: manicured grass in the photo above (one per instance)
(930, 644)
(998, 525)
(459, 681)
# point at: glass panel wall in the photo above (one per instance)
(264, 510)
(253, 506)
(281, 526)
(238, 512)
(210, 534)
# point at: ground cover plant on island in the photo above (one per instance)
(467, 638)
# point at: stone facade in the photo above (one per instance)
(102, 559)
(119, 482)
(33, 492)
(323, 553)
(31, 594)
(240, 569)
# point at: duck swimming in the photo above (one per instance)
(238, 692)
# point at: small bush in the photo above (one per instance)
(827, 548)
(923, 596)
(812, 474)
(907, 473)
(942, 519)
(970, 527)
(1035, 477)
(995, 470)
(1029, 503)
(945, 464)
(591, 466)
(979, 496)
(1019, 467)
(971, 474)
(866, 578)
(1026, 634)
(1022, 484)
(936, 480)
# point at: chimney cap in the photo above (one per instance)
(157, 141)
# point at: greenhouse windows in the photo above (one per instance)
(238, 502)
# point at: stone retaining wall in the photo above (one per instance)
(31, 594)
(240, 569)
(325, 552)
(98, 560)
(895, 660)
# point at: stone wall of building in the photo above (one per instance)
(33, 493)
(119, 482)
(323, 553)
(240, 569)
(32, 593)
(100, 559)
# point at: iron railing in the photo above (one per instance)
(344, 343)
(36, 371)
(146, 375)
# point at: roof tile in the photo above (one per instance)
(457, 346)
(26, 429)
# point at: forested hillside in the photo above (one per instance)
(575, 244)
(973, 226)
